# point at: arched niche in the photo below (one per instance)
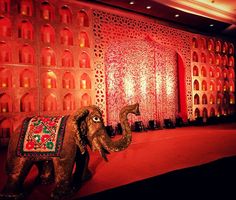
(83, 19)
(5, 6)
(5, 27)
(67, 59)
(231, 61)
(231, 49)
(6, 128)
(27, 103)
(5, 52)
(212, 99)
(196, 99)
(210, 45)
(85, 81)
(212, 112)
(231, 73)
(26, 7)
(204, 99)
(85, 100)
(197, 113)
(84, 61)
(68, 81)
(219, 98)
(47, 33)
(68, 102)
(5, 78)
(212, 59)
(219, 86)
(203, 43)
(218, 46)
(218, 72)
(65, 15)
(195, 71)
(27, 54)
(50, 103)
(212, 86)
(47, 11)
(66, 36)
(25, 30)
(195, 57)
(225, 73)
(194, 43)
(211, 72)
(196, 85)
(49, 80)
(232, 99)
(203, 58)
(224, 60)
(48, 57)
(5, 103)
(225, 48)
(218, 59)
(203, 72)
(204, 85)
(27, 79)
(83, 39)
(204, 113)
(226, 86)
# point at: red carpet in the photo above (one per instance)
(151, 153)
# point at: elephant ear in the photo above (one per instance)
(81, 129)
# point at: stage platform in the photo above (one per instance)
(151, 154)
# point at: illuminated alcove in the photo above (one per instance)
(204, 113)
(212, 99)
(85, 82)
(195, 57)
(212, 59)
(212, 112)
(219, 86)
(219, 98)
(68, 81)
(225, 73)
(203, 43)
(83, 19)
(68, 102)
(27, 79)
(67, 59)
(218, 59)
(27, 103)
(5, 27)
(210, 45)
(226, 86)
(225, 47)
(231, 49)
(203, 71)
(211, 72)
(204, 99)
(5, 78)
(196, 113)
(49, 80)
(194, 43)
(83, 39)
(231, 73)
(48, 57)
(25, 30)
(47, 11)
(47, 34)
(85, 100)
(231, 86)
(218, 72)
(204, 85)
(84, 60)
(218, 46)
(231, 61)
(224, 60)
(26, 7)
(50, 103)
(5, 103)
(232, 99)
(66, 36)
(196, 85)
(26, 54)
(196, 99)
(65, 15)
(5, 52)
(212, 86)
(203, 58)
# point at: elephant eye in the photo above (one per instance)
(96, 119)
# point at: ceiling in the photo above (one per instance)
(213, 17)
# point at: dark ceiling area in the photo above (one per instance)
(174, 17)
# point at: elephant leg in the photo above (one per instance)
(17, 170)
(82, 172)
(46, 172)
(63, 170)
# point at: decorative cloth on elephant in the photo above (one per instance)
(41, 136)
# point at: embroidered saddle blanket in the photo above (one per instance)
(41, 136)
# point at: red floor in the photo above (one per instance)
(151, 153)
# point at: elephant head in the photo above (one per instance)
(91, 130)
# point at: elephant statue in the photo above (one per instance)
(85, 128)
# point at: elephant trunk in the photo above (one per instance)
(125, 140)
